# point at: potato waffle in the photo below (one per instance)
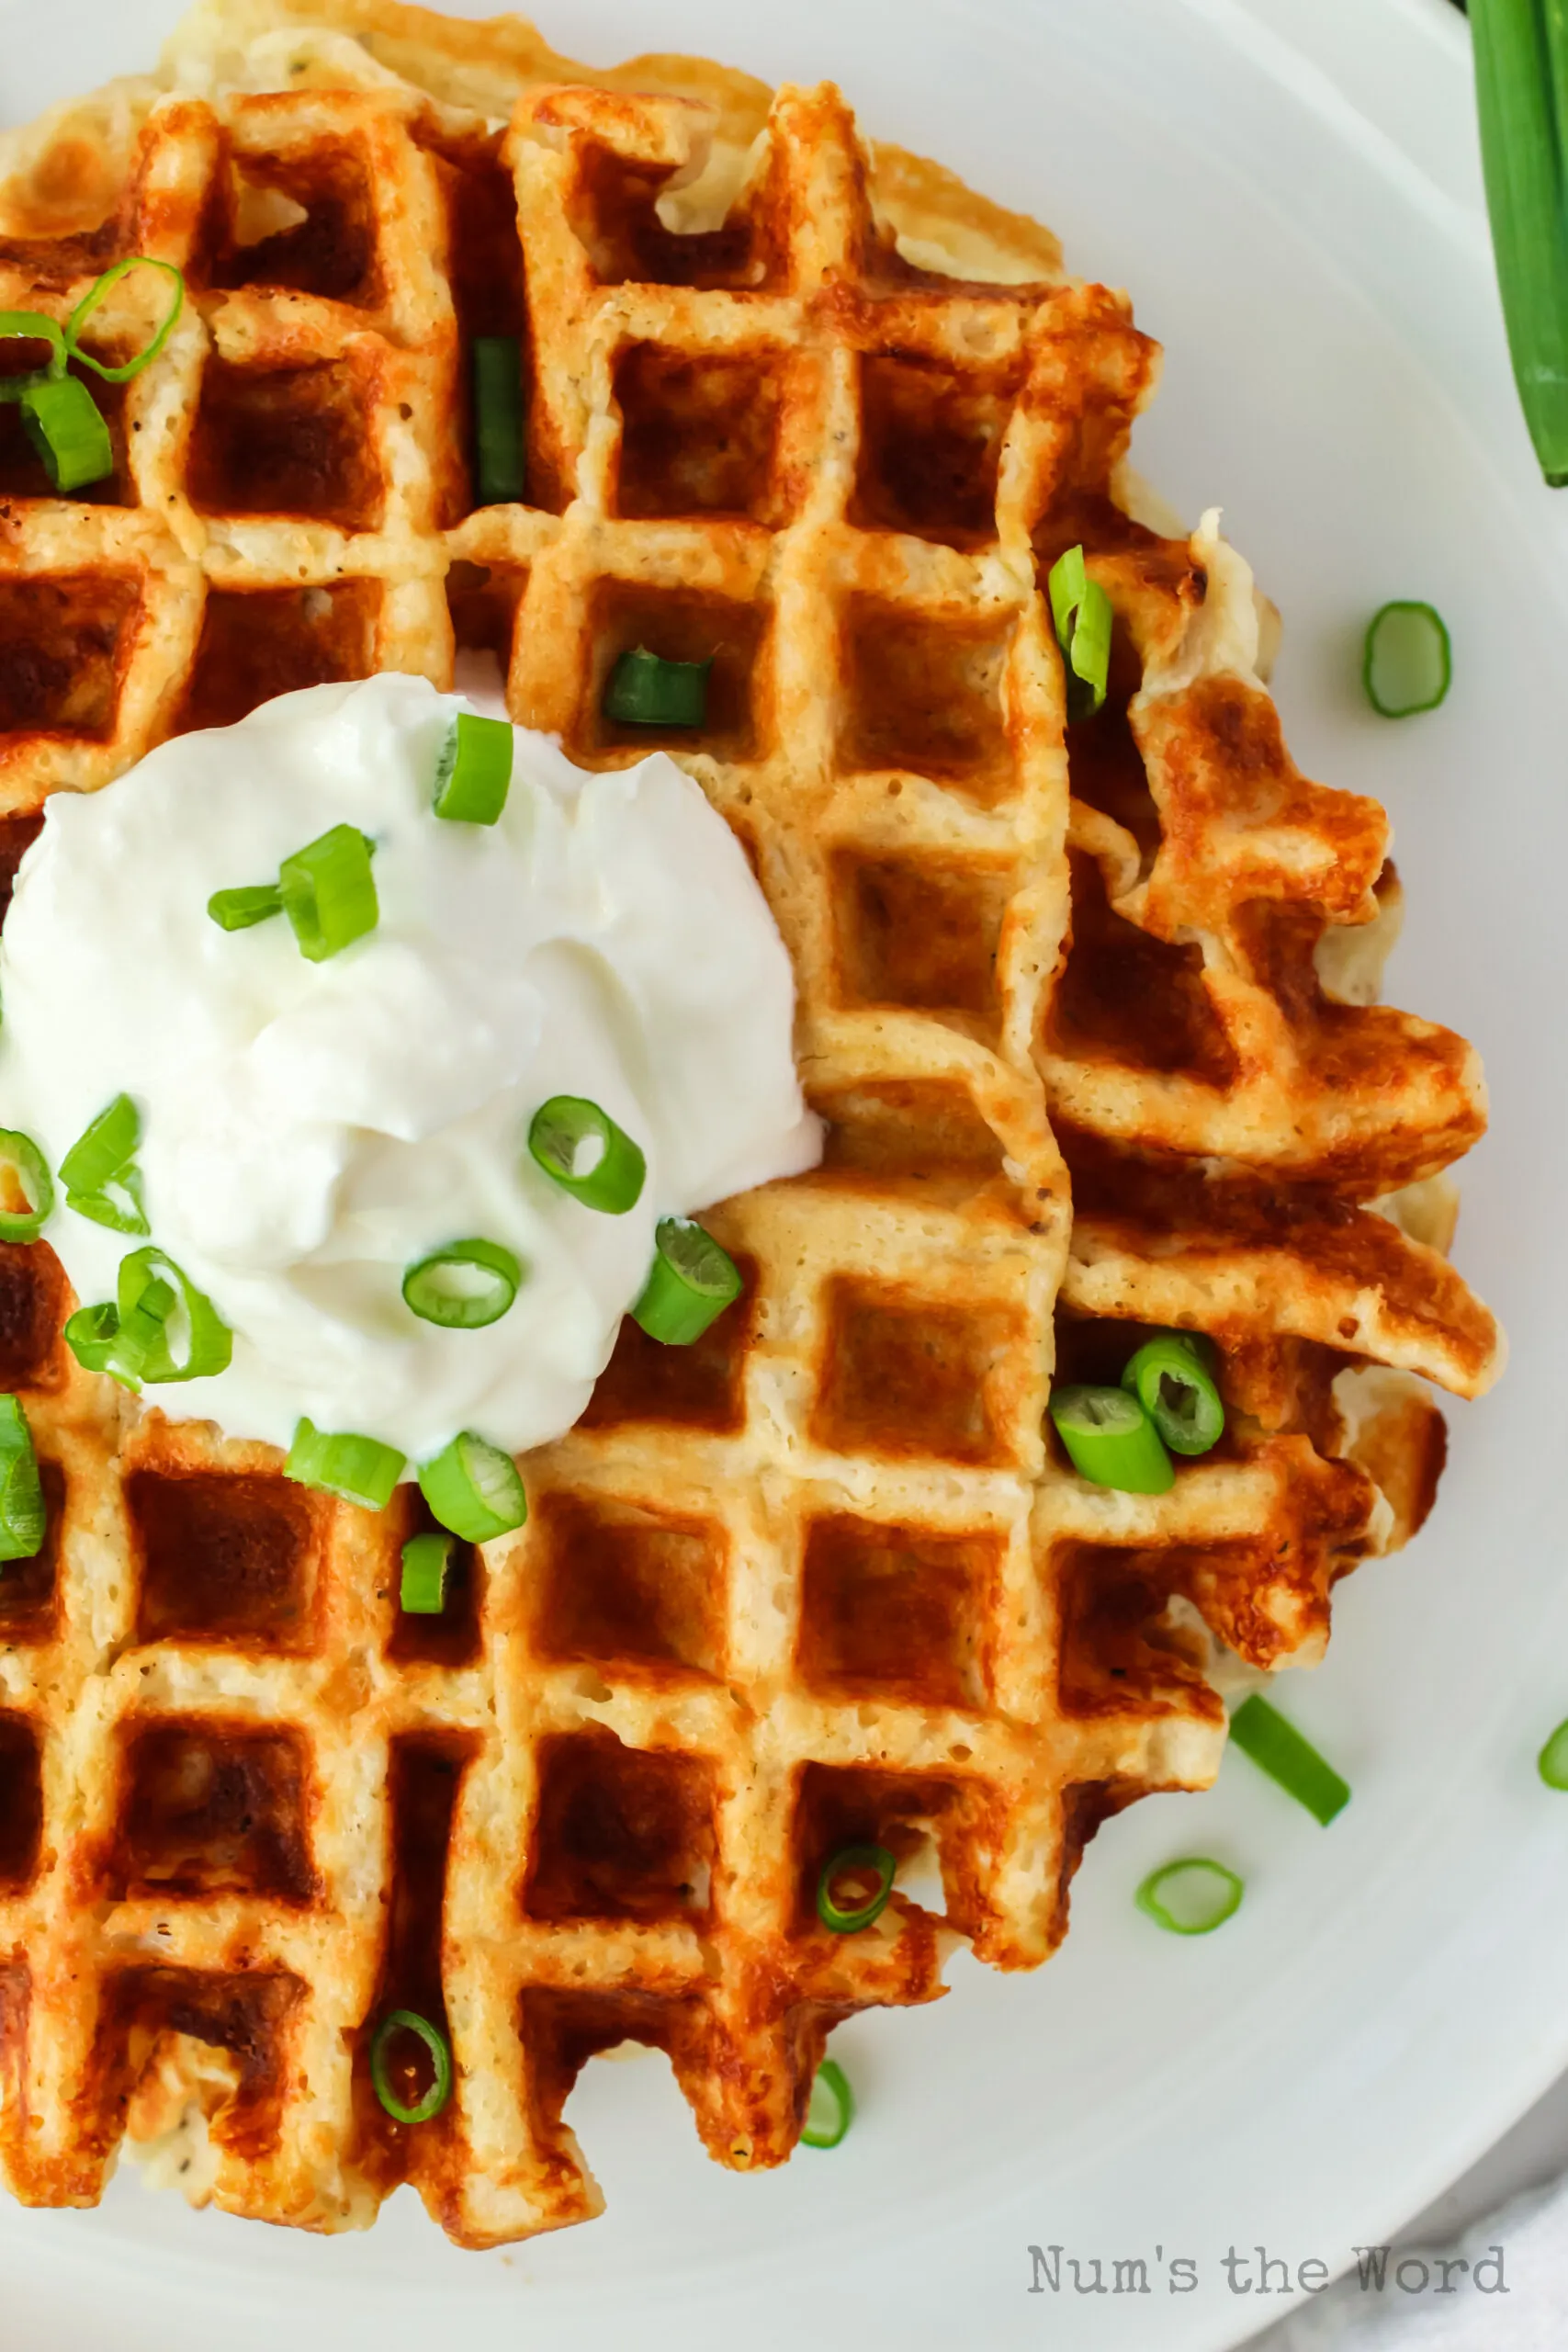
(820, 1577)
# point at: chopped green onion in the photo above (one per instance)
(152, 1292)
(442, 1288)
(61, 419)
(1554, 1758)
(473, 774)
(1081, 611)
(24, 1522)
(1191, 1897)
(857, 1863)
(90, 1334)
(24, 1165)
(1278, 1748)
(474, 1489)
(1521, 77)
(587, 1154)
(409, 2021)
(120, 1204)
(498, 418)
(645, 691)
(1111, 1439)
(1177, 1394)
(32, 326)
(102, 1152)
(95, 295)
(690, 1283)
(426, 1559)
(328, 892)
(831, 2109)
(1407, 661)
(241, 909)
(356, 1469)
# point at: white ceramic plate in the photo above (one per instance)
(1289, 187)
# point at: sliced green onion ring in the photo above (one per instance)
(1278, 1748)
(243, 909)
(62, 420)
(568, 1132)
(120, 1204)
(92, 1334)
(409, 2021)
(1081, 611)
(690, 1283)
(1191, 1897)
(1177, 1393)
(426, 1561)
(473, 774)
(95, 295)
(24, 1163)
(860, 1862)
(328, 892)
(465, 1286)
(356, 1469)
(24, 1522)
(153, 1294)
(32, 326)
(1407, 663)
(498, 419)
(1111, 1439)
(646, 691)
(831, 2109)
(102, 1151)
(474, 1489)
(1552, 1761)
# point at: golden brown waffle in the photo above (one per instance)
(820, 1577)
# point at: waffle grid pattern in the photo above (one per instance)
(819, 1579)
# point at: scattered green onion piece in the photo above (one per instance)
(498, 418)
(473, 774)
(23, 1519)
(426, 1559)
(356, 1469)
(474, 1489)
(95, 295)
(1177, 1394)
(152, 1290)
(61, 419)
(119, 1205)
(1081, 611)
(32, 326)
(645, 691)
(1523, 104)
(1191, 1897)
(1554, 1758)
(855, 1862)
(441, 1289)
(328, 892)
(566, 1131)
(831, 2109)
(1111, 1439)
(1407, 661)
(22, 1160)
(690, 1283)
(409, 2021)
(241, 909)
(1278, 1748)
(92, 1335)
(102, 1152)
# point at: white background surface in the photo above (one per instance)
(1298, 227)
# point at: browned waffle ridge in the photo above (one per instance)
(820, 1577)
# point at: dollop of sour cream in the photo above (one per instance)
(309, 1131)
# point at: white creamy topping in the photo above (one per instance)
(310, 1130)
